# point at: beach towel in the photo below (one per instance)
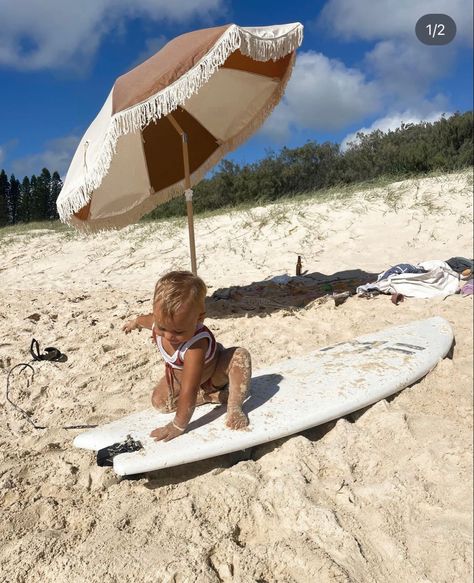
(434, 279)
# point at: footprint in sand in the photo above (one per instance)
(5, 362)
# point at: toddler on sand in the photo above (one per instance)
(197, 369)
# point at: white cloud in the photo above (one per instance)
(396, 74)
(57, 155)
(323, 95)
(405, 70)
(393, 121)
(383, 19)
(5, 150)
(54, 34)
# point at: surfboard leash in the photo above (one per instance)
(51, 354)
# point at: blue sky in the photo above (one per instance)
(360, 67)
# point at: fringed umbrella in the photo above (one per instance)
(172, 118)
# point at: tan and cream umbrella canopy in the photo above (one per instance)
(172, 118)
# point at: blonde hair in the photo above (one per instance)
(176, 289)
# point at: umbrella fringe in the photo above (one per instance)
(161, 104)
(262, 49)
(133, 214)
(136, 118)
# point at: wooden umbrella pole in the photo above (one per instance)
(188, 192)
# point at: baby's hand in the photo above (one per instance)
(130, 325)
(167, 432)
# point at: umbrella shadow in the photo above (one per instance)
(262, 389)
(284, 293)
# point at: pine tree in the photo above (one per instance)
(14, 199)
(34, 205)
(40, 191)
(4, 190)
(24, 207)
(55, 189)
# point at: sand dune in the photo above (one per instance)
(383, 495)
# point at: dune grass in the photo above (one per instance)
(384, 189)
(10, 233)
(395, 188)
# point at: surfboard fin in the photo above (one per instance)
(105, 456)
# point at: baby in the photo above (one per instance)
(197, 369)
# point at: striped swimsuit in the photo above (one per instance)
(176, 360)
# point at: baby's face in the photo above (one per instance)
(181, 327)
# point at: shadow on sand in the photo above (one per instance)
(262, 389)
(283, 293)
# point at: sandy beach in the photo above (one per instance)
(384, 495)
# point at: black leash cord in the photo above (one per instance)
(18, 408)
(37, 356)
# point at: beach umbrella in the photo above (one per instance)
(169, 120)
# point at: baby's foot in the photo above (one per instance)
(237, 419)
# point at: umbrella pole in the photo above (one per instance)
(188, 192)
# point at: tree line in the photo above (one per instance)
(32, 199)
(413, 149)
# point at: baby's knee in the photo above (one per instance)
(161, 401)
(158, 404)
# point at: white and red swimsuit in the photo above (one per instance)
(176, 360)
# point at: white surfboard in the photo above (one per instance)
(288, 397)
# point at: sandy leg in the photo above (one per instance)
(234, 366)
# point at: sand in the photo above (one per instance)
(382, 495)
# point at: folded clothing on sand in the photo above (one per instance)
(427, 279)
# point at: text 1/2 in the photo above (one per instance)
(435, 30)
